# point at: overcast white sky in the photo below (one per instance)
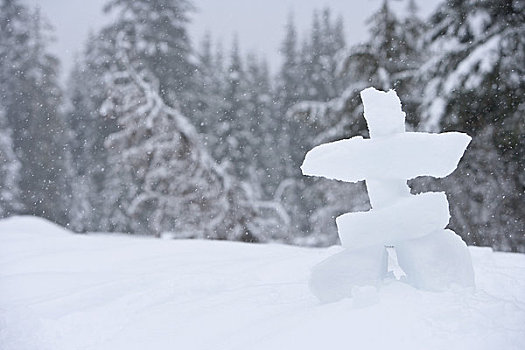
(259, 24)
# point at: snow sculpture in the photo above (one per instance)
(432, 257)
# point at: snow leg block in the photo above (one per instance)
(333, 279)
(436, 261)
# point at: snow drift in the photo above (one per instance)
(67, 291)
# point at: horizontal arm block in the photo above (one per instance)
(399, 156)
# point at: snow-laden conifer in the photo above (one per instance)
(165, 179)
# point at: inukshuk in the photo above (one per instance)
(431, 256)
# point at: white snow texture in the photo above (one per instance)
(432, 258)
(63, 291)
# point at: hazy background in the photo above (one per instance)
(78, 151)
(259, 24)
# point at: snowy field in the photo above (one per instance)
(64, 291)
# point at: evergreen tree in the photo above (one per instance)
(232, 122)
(257, 117)
(86, 92)
(168, 181)
(211, 103)
(31, 97)
(391, 56)
(307, 74)
(9, 171)
(387, 45)
(156, 31)
(236, 120)
(209, 77)
(387, 60)
(290, 90)
(475, 83)
(319, 58)
(289, 76)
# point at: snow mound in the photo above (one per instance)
(24, 224)
(62, 291)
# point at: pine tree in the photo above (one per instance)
(208, 86)
(290, 90)
(211, 103)
(387, 60)
(231, 120)
(391, 56)
(308, 73)
(168, 181)
(289, 76)
(288, 93)
(156, 31)
(31, 98)
(236, 120)
(9, 171)
(86, 92)
(319, 57)
(261, 129)
(157, 166)
(475, 83)
(158, 41)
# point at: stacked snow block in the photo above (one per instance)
(432, 257)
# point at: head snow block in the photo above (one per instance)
(408, 218)
(399, 156)
(383, 112)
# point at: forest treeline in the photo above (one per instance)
(154, 134)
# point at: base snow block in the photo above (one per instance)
(333, 279)
(436, 261)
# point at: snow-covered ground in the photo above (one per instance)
(64, 291)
